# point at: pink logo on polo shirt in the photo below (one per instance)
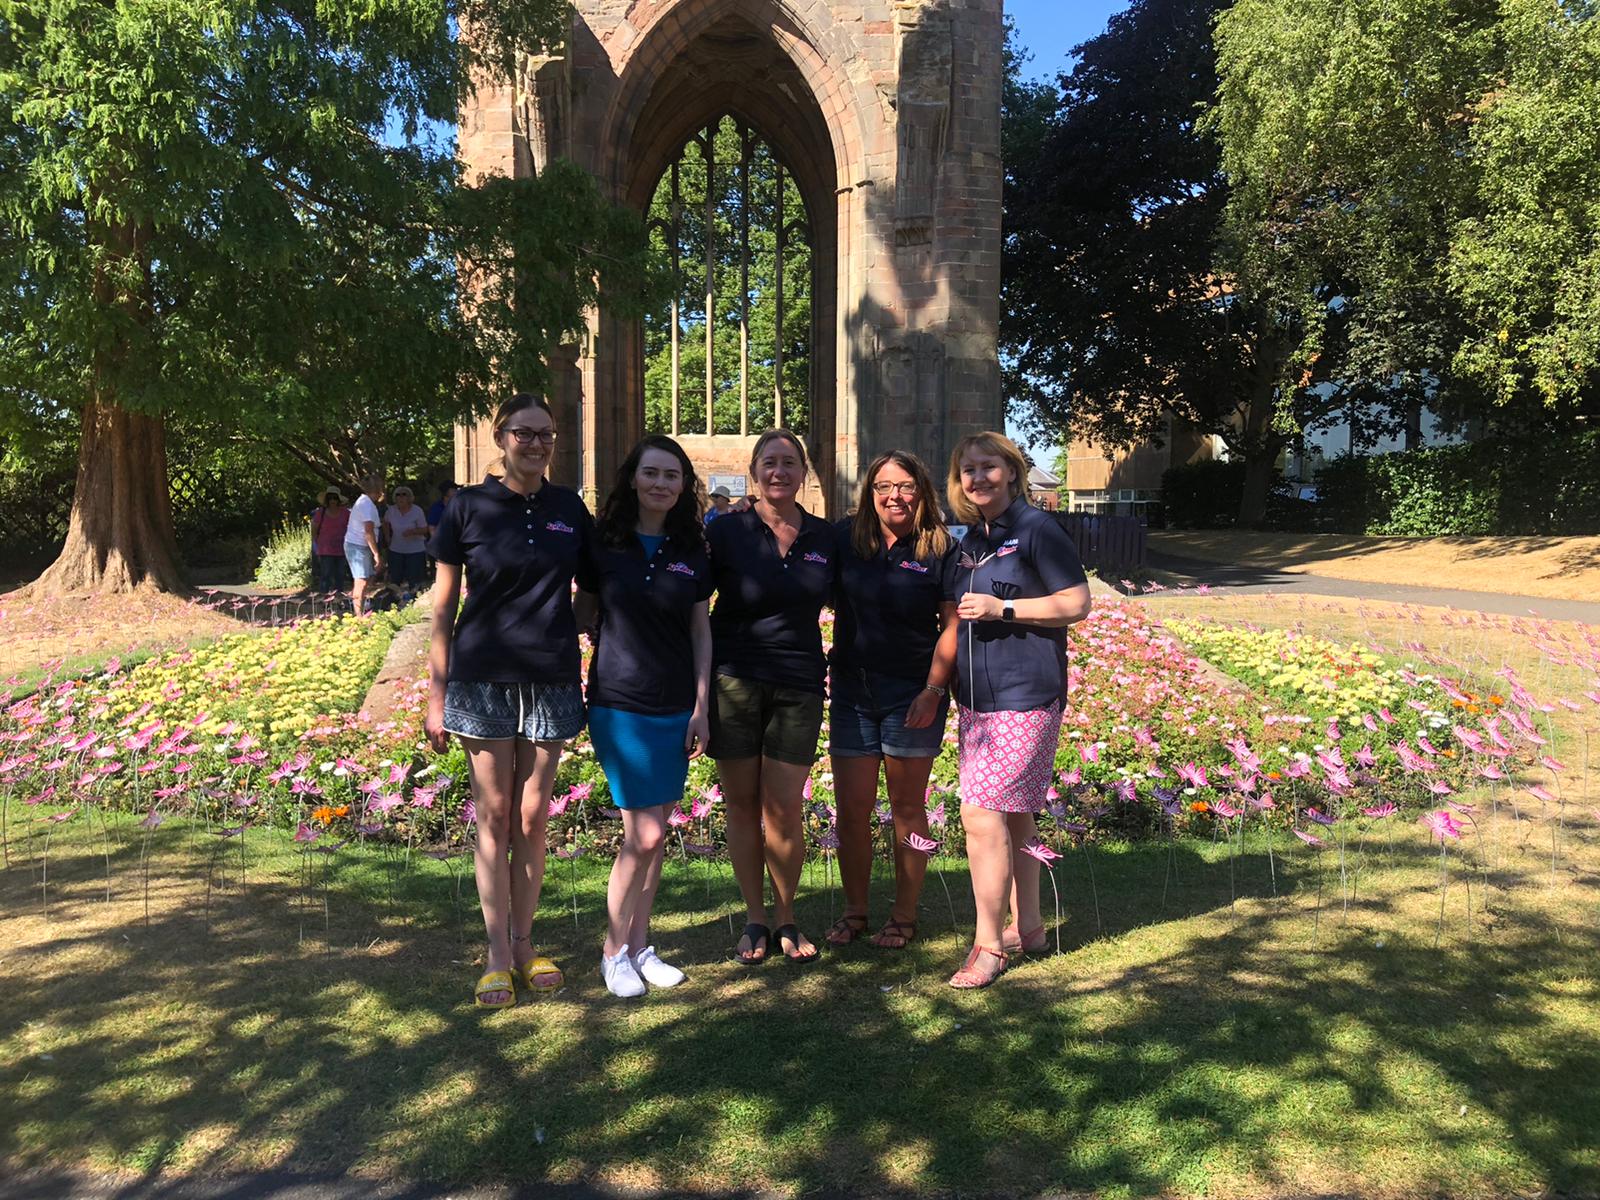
(679, 568)
(559, 527)
(812, 556)
(1009, 548)
(911, 565)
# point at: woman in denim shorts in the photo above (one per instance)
(504, 675)
(894, 651)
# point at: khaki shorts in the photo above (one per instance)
(750, 719)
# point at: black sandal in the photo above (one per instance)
(792, 932)
(755, 933)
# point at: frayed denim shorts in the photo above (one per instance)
(498, 712)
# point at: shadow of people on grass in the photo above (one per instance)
(210, 1041)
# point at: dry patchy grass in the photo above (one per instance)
(1560, 568)
(86, 630)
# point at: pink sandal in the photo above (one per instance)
(969, 977)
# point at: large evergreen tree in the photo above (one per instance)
(205, 209)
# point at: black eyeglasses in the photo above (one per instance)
(898, 489)
(526, 437)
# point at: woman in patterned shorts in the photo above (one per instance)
(503, 675)
(1020, 584)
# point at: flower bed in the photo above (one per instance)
(261, 728)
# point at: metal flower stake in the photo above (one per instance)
(1048, 857)
(927, 846)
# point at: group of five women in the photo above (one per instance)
(746, 681)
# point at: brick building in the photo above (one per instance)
(886, 113)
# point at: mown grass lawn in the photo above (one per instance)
(1191, 1046)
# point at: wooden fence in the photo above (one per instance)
(1110, 546)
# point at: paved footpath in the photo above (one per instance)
(1258, 581)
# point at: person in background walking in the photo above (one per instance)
(894, 652)
(773, 567)
(503, 676)
(328, 525)
(361, 545)
(649, 683)
(1020, 585)
(405, 530)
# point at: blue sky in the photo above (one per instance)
(1050, 28)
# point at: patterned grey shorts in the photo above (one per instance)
(497, 712)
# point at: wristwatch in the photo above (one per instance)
(937, 691)
(1008, 611)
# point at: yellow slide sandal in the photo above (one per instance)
(536, 968)
(495, 981)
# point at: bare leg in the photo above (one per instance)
(358, 592)
(782, 805)
(908, 782)
(989, 858)
(634, 877)
(536, 777)
(741, 793)
(492, 767)
(855, 781)
(1025, 869)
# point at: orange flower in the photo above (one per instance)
(342, 811)
(1199, 806)
(1497, 699)
(1274, 775)
(323, 815)
(1458, 703)
(1473, 708)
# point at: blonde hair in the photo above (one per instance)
(793, 439)
(990, 443)
(866, 532)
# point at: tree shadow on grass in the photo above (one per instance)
(1180, 1049)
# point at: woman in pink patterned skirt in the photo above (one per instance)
(1019, 586)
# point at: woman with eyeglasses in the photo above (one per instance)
(894, 650)
(773, 567)
(503, 675)
(1020, 584)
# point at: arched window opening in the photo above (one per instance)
(730, 353)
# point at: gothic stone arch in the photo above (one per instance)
(888, 112)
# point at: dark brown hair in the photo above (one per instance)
(620, 513)
(866, 532)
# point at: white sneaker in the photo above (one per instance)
(657, 973)
(622, 978)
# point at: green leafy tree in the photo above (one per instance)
(1526, 263)
(731, 282)
(204, 211)
(1115, 315)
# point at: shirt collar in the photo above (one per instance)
(497, 488)
(1008, 519)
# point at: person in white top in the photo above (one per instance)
(361, 548)
(405, 529)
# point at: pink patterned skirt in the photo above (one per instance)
(1008, 758)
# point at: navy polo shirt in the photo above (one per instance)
(520, 554)
(1013, 667)
(764, 626)
(644, 661)
(887, 607)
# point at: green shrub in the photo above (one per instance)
(1546, 485)
(286, 561)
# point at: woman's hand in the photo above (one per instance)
(433, 727)
(975, 606)
(923, 710)
(699, 733)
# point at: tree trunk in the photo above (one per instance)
(120, 534)
(1258, 470)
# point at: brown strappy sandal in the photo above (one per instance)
(904, 933)
(846, 929)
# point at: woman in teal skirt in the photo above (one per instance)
(649, 683)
